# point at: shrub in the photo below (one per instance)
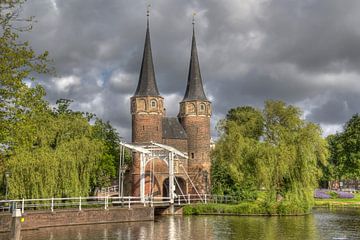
(333, 194)
(286, 207)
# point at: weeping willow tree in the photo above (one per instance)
(56, 155)
(48, 152)
(275, 151)
(18, 63)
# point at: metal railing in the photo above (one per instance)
(110, 189)
(105, 202)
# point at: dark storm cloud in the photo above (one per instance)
(306, 53)
(314, 35)
(336, 110)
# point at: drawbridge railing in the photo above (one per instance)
(80, 203)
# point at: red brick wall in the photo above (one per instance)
(146, 128)
(197, 128)
(179, 144)
(146, 119)
(39, 219)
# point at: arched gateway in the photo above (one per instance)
(162, 171)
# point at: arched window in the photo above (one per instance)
(202, 107)
(153, 103)
(141, 105)
(191, 107)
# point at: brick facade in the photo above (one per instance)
(40, 219)
(147, 114)
(189, 133)
(194, 116)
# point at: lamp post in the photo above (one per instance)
(7, 175)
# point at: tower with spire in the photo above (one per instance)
(147, 106)
(189, 132)
(147, 109)
(194, 115)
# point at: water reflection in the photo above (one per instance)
(323, 224)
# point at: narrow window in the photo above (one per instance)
(153, 103)
(192, 155)
(143, 127)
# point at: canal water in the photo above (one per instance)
(322, 224)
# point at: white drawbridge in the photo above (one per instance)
(149, 152)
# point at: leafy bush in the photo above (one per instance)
(286, 207)
(333, 194)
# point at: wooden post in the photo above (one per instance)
(16, 225)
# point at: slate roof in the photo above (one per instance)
(172, 129)
(194, 88)
(147, 82)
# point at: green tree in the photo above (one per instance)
(274, 150)
(107, 168)
(242, 127)
(249, 119)
(345, 151)
(18, 63)
(49, 152)
(56, 155)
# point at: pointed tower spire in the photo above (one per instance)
(194, 88)
(147, 82)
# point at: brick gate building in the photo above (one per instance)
(189, 132)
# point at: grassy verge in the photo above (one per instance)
(258, 207)
(244, 208)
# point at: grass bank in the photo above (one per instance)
(260, 208)
(244, 208)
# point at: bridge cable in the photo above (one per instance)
(192, 183)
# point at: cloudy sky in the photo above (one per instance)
(306, 53)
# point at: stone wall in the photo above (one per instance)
(38, 219)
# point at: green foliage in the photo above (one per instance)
(246, 208)
(333, 194)
(274, 150)
(58, 153)
(249, 120)
(345, 152)
(49, 152)
(18, 62)
(213, 208)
